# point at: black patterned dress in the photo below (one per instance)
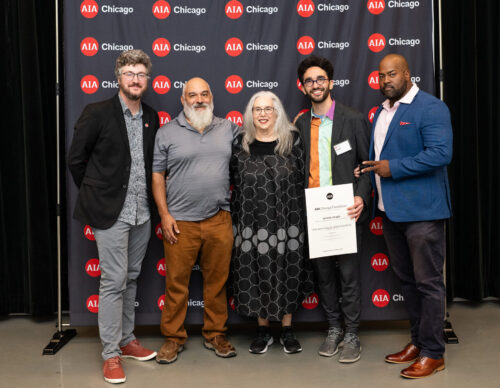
(271, 275)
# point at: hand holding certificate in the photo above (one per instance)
(331, 231)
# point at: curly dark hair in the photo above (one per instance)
(312, 61)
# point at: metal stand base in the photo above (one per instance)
(59, 339)
(449, 335)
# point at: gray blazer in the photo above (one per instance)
(348, 124)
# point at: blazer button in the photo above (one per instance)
(124, 186)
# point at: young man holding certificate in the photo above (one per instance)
(336, 140)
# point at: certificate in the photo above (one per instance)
(330, 229)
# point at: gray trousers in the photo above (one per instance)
(121, 250)
(350, 290)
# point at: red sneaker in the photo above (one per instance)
(135, 350)
(113, 371)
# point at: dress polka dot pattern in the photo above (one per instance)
(270, 273)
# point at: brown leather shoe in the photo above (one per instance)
(221, 346)
(408, 354)
(168, 352)
(423, 367)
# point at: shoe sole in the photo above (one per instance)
(349, 361)
(165, 361)
(289, 351)
(399, 362)
(230, 354)
(145, 358)
(269, 343)
(325, 354)
(422, 377)
(115, 381)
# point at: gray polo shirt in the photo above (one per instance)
(197, 166)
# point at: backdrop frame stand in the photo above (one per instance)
(449, 335)
(60, 337)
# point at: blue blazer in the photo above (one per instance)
(419, 146)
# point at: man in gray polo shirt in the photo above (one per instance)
(193, 151)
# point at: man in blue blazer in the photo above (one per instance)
(410, 147)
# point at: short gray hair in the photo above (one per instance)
(131, 58)
(283, 127)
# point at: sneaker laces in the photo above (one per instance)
(334, 332)
(288, 334)
(351, 340)
(114, 363)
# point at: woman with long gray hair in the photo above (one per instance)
(269, 274)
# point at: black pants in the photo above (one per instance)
(416, 254)
(349, 275)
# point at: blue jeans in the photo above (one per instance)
(416, 254)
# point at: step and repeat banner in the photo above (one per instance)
(239, 47)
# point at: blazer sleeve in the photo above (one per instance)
(84, 139)
(437, 135)
(362, 133)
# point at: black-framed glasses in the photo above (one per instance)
(130, 76)
(310, 82)
(267, 110)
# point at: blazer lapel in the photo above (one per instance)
(122, 127)
(337, 128)
(395, 122)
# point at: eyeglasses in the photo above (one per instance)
(267, 110)
(310, 82)
(130, 76)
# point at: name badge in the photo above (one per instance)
(342, 147)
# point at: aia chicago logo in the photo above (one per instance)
(89, 9)
(89, 46)
(233, 47)
(305, 45)
(161, 9)
(299, 85)
(88, 233)
(231, 303)
(376, 42)
(93, 303)
(380, 298)
(161, 47)
(371, 113)
(379, 262)
(376, 7)
(234, 9)
(376, 226)
(373, 80)
(164, 118)
(161, 302)
(305, 8)
(92, 268)
(234, 84)
(159, 232)
(161, 267)
(89, 84)
(311, 302)
(161, 84)
(235, 117)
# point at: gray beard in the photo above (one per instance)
(199, 120)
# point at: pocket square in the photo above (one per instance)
(404, 123)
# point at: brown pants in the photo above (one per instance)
(213, 238)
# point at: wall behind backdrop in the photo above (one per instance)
(27, 157)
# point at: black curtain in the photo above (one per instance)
(471, 47)
(28, 261)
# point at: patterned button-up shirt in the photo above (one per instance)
(135, 209)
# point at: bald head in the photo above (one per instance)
(394, 77)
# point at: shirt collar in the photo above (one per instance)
(406, 99)
(329, 114)
(125, 108)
